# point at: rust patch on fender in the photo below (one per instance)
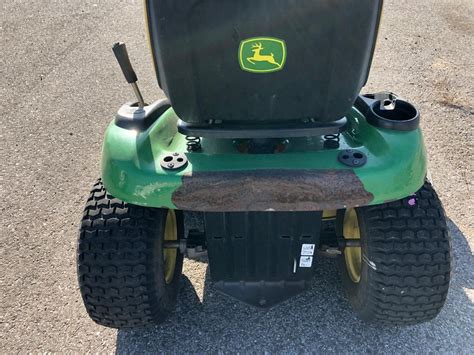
(267, 190)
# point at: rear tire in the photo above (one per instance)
(124, 274)
(405, 261)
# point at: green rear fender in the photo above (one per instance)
(304, 177)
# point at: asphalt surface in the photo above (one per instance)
(59, 87)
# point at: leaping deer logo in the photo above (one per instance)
(257, 48)
(262, 54)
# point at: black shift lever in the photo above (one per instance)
(120, 51)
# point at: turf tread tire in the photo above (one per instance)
(120, 262)
(411, 249)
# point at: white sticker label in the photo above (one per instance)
(306, 261)
(308, 249)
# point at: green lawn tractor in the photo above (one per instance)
(266, 137)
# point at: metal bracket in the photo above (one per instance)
(329, 252)
(173, 161)
(353, 158)
(175, 244)
(244, 130)
(349, 243)
(388, 100)
(194, 246)
(333, 251)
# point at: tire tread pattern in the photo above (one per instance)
(117, 268)
(411, 248)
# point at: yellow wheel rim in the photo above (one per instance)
(352, 255)
(169, 255)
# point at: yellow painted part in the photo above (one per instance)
(169, 255)
(148, 37)
(353, 255)
(259, 57)
(378, 31)
(147, 26)
(329, 214)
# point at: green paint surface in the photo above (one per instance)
(131, 168)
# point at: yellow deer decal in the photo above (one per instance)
(257, 48)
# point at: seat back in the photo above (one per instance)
(262, 60)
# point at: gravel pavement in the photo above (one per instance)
(59, 89)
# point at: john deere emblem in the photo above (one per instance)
(262, 54)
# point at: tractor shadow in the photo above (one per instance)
(319, 320)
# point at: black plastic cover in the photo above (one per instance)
(256, 246)
(399, 115)
(329, 47)
(257, 257)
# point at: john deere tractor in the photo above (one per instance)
(265, 135)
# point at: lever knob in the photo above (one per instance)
(120, 51)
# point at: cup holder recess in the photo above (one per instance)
(387, 111)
